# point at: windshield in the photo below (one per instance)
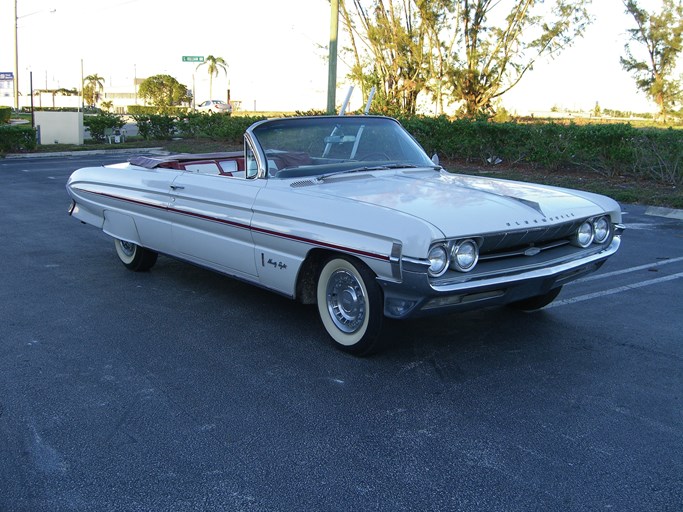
(310, 146)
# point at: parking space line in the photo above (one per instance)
(612, 291)
(627, 270)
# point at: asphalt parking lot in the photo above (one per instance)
(182, 390)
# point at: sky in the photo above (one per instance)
(276, 51)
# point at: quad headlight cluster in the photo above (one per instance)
(460, 255)
(596, 230)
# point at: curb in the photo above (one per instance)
(669, 213)
(155, 151)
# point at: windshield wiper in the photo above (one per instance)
(367, 168)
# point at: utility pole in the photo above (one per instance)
(16, 51)
(332, 73)
(82, 109)
(16, 59)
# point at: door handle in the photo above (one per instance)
(177, 187)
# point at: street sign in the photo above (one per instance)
(193, 58)
(8, 76)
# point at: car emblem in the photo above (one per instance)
(532, 251)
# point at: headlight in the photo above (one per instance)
(584, 235)
(464, 255)
(438, 260)
(601, 228)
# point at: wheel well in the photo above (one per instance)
(306, 282)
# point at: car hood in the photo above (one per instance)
(461, 205)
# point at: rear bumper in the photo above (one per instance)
(416, 296)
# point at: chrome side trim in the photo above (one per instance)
(395, 261)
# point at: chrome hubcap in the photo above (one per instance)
(128, 248)
(345, 301)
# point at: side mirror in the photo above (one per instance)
(435, 159)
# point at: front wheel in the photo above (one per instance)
(350, 304)
(538, 302)
(134, 257)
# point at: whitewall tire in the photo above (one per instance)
(350, 304)
(134, 257)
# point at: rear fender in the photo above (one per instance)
(121, 226)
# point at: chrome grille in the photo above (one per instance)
(508, 253)
(516, 242)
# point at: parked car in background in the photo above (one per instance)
(349, 213)
(215, 106)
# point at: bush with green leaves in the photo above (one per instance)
(607, 149)
(100, 123)
(215, 126)
(150, 109)
(15, 139)
(5, 114)
(156, 126)
(658, 155)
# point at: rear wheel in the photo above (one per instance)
(350, 304)
(538, 302)
(134, 257)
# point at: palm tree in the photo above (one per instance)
(96, 84)
(214, 65)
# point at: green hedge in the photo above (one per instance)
(100, 123)
(15, 139)
(5, 114)
(215, 126)
(194, 125)
(608, 149)
(141, 110)
(155, 126)
(150, 110)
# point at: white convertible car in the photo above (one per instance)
(349, 213)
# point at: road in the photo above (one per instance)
(182, 390)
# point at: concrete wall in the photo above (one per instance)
(60, 127)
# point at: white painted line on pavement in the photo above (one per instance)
(620, 289)
(626, 270)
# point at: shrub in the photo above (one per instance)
(156, 126)
(5, 114)
(659, 155)
(199, 124)
(150, 110)
(100, 123)
(607, 149)
(215, 126)
(141, 110)
(17, 138)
